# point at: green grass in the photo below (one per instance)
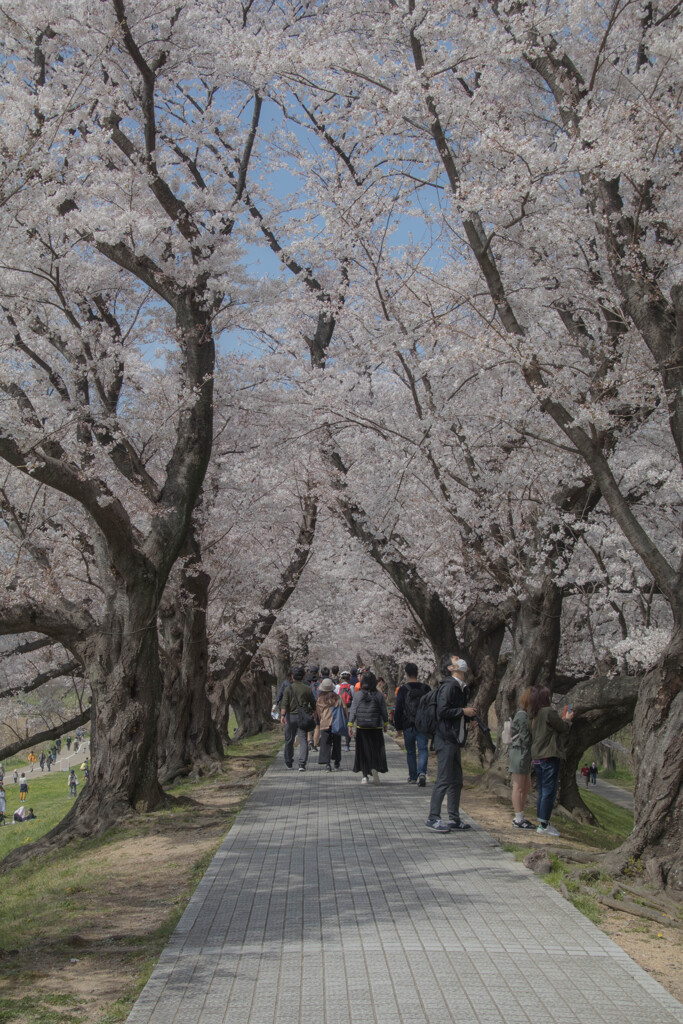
(38, 1009)
(615, 820)
(48, 795)
(46, 901)
(621, 776)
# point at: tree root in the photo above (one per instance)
(629, 907)
(579, 856)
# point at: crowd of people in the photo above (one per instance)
(323, 710)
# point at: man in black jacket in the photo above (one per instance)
(298, 695)
(407, 700)
(451, 734)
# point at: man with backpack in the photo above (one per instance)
(407, 702)
(450, 734)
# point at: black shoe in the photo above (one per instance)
(302, 767)
(522, 824)
(288, 765)
(422, 780)
(456, 825)
(337, 766)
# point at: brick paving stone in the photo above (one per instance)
(330, 903)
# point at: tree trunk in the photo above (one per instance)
(251, 700)
(602, 706)
(657, 837)
(483, 651)
(536, 640)
(188, 736)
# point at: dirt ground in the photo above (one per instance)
(93, 972)
(656, 948)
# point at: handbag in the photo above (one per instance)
(339, 726)
(306, 720)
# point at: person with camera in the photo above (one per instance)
(452, 715)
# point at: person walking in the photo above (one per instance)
(298, 707)
(408, 697)
(548, 735)
(330, 742)
(3, 803)
(594, 773)
(23, 788)
(520, 761)
(73, 784)
(370, 716)
(452, 714)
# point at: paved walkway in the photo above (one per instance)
(615, 794)
(330, 903)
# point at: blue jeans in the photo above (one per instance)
(548, 778)
(417, 765)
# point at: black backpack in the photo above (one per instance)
(425, 716)
(412, 701)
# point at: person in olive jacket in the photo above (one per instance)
(548, 734)
(297, 696)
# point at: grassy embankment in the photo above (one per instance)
(81, 930)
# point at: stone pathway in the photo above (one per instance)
(330, 903)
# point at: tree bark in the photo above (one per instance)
(188, 736)
(251, 699)
(657, 838)
(536, 640)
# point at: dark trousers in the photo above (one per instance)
(448, 780)
(330, 747)
(291, 731)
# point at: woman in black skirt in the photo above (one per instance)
(369, 715)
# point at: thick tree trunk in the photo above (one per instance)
(536, 640)
(602, 706)
(483, 651)
(188, 736)
(657, 837)
(251, 700)
(122, 663)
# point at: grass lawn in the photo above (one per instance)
(81, 928)
(48, 795)
(622, 776)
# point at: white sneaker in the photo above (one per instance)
(364, 780)
(375, 776)
(547, 830)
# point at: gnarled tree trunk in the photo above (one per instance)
(251, 700)
(188, 736)
(657, 837)
(536, 641)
